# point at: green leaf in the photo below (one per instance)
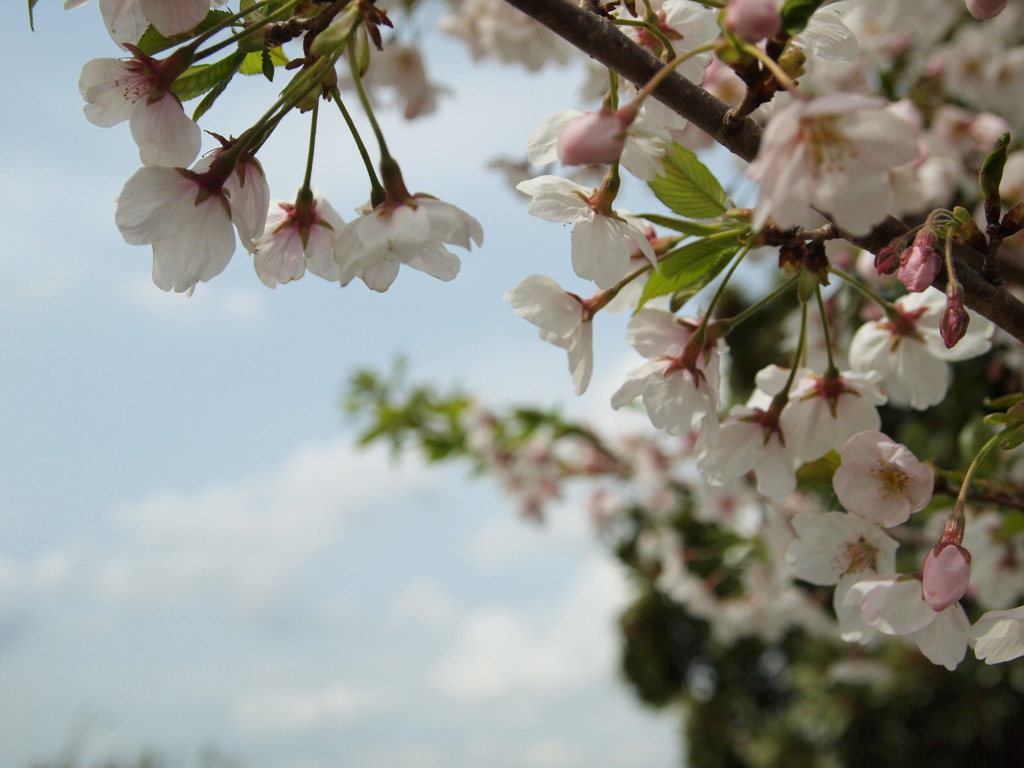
(256, 62)
(31, 16)
(688, 187)
(211, 97)
(199, 79)
(687, 270)
(267, 65)
(691, 228)
(153, 42)
(796, 13)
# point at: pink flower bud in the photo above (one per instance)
(753, 20)
(592, 139)
(947, 569)
(954, 320)
(920, 264)
(985, 9)
(887, 260)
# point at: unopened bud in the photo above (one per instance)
(946, 573)
(985, 9)
(593, 138)
(954, 320)
(887, 260)
(920, 264)
(753, 20)
(1013, 221)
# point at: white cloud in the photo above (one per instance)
(247, 541)
(498, 652)
(291, 710)
(422, 603)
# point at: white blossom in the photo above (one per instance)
(909, 353)
(562, 321)
(601, 243)
(833, 153)
(374, 245)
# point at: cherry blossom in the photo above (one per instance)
(834, 545)
(999, 636)
(907, 349)
(602, 241)
(895, 605)
(752, 439)
(833, 153)
(827, 409)
(562, 320)
(687, 25)
(881, 480)
(139, 90)
(493, 28)
(188, 225)
(373, 246)
(298, 236)
(679, 384)
(401, 68)
(189, 216)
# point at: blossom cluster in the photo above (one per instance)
(837, 163)
(189, 210)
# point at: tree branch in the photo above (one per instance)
(597, 37)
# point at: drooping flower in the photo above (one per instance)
(833, 153)
(826, 410)
(298, 236)
(403, 229)
(908, 350)
(881, 480)
(139, 90)
(680, 383)
(188, 216)
(187, 223)
(562, 320)
(602, 241)
(752, 439)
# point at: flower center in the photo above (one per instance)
(859, 556)
(827, 146)
(892, 480)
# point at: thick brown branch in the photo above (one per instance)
(601, 40)
(597, 37)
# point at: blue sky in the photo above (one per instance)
(193, 553)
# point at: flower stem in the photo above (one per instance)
(758, 305)
(832, 370)
(772, 66)
(365, 101)
(376, 189)
(869, 293)
(991, 443)
(312, 144)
